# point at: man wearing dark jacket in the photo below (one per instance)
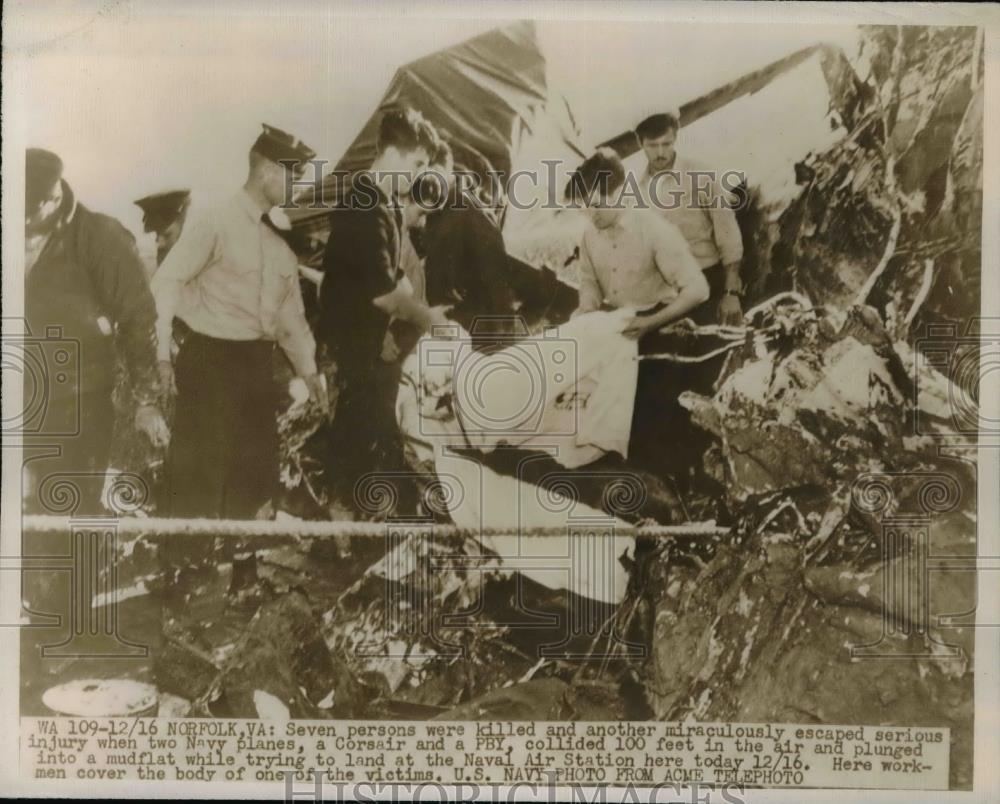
(363, 290)
(466, 264)
(86, 298)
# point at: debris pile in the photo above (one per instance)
(829, 439)
(790, 617)
(891, 214)
(441, 623)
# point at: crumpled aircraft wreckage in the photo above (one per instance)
(839, 453)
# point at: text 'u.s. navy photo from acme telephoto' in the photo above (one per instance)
(527, 401)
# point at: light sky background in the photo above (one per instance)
(140, 97)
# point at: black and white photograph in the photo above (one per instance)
(564, 399)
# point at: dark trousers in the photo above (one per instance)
(663, 438)
(66, 461)
(364, 437)
(65, 464)
(223, 460)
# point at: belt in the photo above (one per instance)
(257, 344)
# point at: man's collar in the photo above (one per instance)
(383, 197)
(392, 204)
(69, 204)
(620, 224)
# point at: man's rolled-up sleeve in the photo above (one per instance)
(294, 335)
(673, 256)
(726, 230)
(591, 295)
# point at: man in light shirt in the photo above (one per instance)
(631, 257)
(235, 283)
(691, 197)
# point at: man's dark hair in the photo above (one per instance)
(406, 130)
(657, 125)
(42, 170)
(599, 175)
(442, 156)
(429, 190)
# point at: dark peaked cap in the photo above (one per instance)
(162, 209)
(278, 146)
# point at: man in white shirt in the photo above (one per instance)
(691, 196)
(635, 258)
(235, 283)
(631, 257)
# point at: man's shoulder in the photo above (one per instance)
(653, 222)
(589, 231)
(644, 216)
(356, 210)
(688, 164)
(358, 233)
(211, 216)
(471, 220)
(100, 228)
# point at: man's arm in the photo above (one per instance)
(124, 291)
(400, 303)
(591, 295)
(188, 258)
(375, 231)
(728, 238)
(486, 266)
(678, 266)
(120, 281)
(730, 243)
(297, 341)
(294, 335)
(314, 275)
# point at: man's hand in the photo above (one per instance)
(317, 391)
(167, 385)
(390, 349)
(149, 420)
(730, 311)
(638, 326)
